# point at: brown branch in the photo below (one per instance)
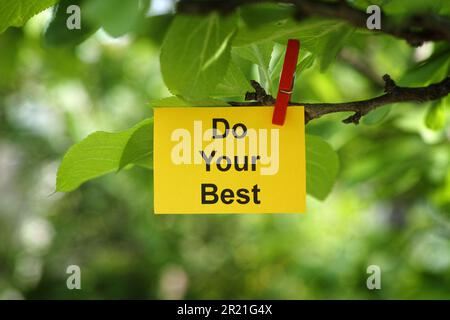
(393, 94)
(415, 30)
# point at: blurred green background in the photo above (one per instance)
(390, 206)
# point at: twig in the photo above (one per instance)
(393, 94)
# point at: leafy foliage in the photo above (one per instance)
(117, 17)
(435, 118)
(310, 32)
(57, 33)
(260, 55)
(196, 54)
(204, 57)
(103, 152)
(234, 84)
(139, 148)
(331, 44)
(433, 69)
(322, 164)
(180, 102)
(17, 12)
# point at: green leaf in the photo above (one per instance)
(255, 15)
(155, 27)
(435, 118)
(117, 17)
(329, 46)
(377, 115)
(322, 165)
(181, 102)
(57, 33)
(259, 54)
(195, 54)
(234, 84)
(10, 44)
(431, 70)
(401, 7)
(103, 152)
(306, 63)
(17, 12)
(309, 32)
(139, 148)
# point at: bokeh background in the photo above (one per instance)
(389, 207)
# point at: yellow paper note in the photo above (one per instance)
(228, 160)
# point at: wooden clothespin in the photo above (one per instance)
(286, 82)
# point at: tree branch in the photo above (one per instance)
(393, 94)
(415, 30)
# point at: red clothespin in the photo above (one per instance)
(286, 82)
